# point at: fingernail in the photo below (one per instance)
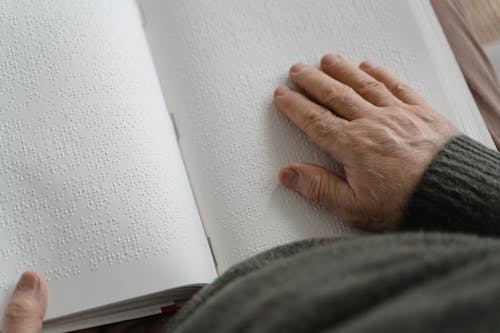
(281, 91)
(330, 59)
(366, 65)
(27, 282)
(289, 178)
(297, 68)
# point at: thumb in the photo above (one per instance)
(26, 309)
(320, 186)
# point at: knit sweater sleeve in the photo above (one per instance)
(459, 192)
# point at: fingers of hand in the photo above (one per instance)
(365, 85)
(397, 87)
(27, 306)
(371, 119)
(319, 124)
(319, 186)
(338, 97)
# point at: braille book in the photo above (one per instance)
(139, 144)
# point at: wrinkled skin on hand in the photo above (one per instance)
(381, 131)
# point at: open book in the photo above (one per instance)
(139, 145)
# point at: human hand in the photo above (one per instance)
(26, 309)
(382, 132)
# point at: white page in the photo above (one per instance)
(219, 62)
(93, 191)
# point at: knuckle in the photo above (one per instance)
(19, 308)
(315, 123)
(399, 88)
(313, 117)
(317, 191)
(336, 95)
(369, 86)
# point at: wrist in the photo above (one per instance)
(460, 191)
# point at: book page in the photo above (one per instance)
(93, 191)
(219, 62)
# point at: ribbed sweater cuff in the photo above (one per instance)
(460, 191)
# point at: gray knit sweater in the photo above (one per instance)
(414, 281)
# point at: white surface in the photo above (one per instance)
(219, 62)
(93, 192)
